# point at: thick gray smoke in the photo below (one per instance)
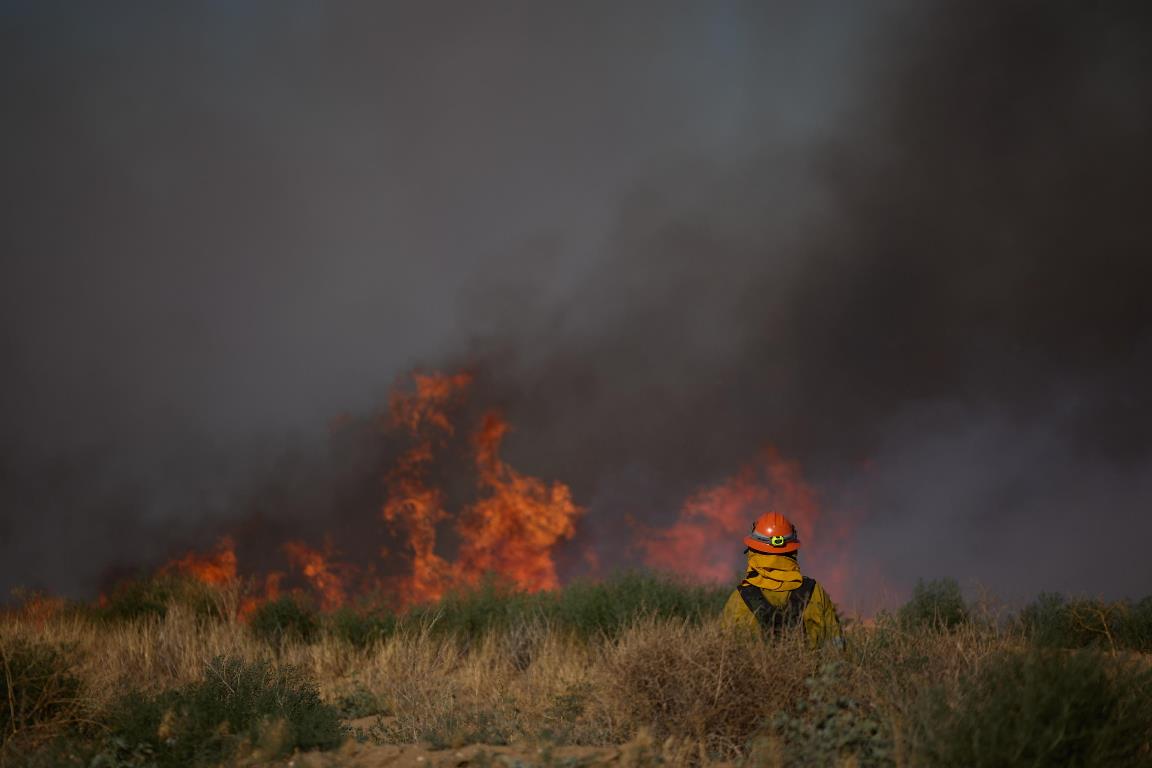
(909, 247)
(942, 311)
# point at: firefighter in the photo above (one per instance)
(774, 595)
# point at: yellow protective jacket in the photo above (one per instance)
(777, 576)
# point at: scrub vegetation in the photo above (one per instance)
(636, 670)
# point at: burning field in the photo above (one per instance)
(386, 385)
(484, 631)
(452, 513)
(464, 617)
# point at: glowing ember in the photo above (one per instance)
(514, 528)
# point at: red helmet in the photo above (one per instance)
(772, 533)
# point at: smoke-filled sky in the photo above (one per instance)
(907, 244)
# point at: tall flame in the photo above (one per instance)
(514, 528)
(708, 534)
(515, 523)
(414, 508)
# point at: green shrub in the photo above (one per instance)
(360, 628)
(1048, 622)
(606, 608)
(1041, 708)
(831, 727)
(150, 596)
(472, 612)
(1135, 631)
(286, 618)
(1051, 621)
(237, 705)
(40, 694)
(936, 605)
(137, 598)
(585, 608)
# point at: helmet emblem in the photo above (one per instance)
(767, 534)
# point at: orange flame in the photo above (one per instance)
(321, 573)
(513, 530)
(269, 593)
(428, 407)
(216, 568)
(516, 522)
(412, 506)
(706, 539)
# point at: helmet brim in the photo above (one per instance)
(767, 549)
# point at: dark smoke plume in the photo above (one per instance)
(932, 290)
(943, 312)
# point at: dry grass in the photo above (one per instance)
(707, 683)
(686, 692)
